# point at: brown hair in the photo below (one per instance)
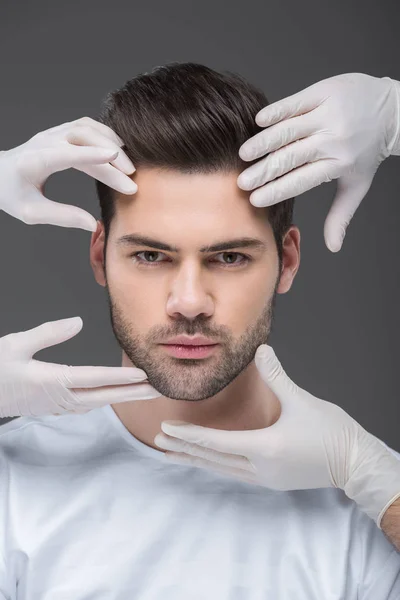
(188, 117)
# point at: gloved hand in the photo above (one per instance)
(84, 144)
(31, 387)
(340, 128)
(313, 444)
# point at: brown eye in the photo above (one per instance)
(235, 255)
(149, 254)
(140, 260)
(231, 254)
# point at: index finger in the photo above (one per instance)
(291, 106)
(102, 128)
(89, 377)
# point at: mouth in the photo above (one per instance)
(186, 351)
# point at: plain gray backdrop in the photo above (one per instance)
(336, 332)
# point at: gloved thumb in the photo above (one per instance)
(47, 334)
(350, 192)
(43, 210)
(273, 374)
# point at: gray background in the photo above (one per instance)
(337, 330)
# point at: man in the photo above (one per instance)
(109, 515)
(185, 153)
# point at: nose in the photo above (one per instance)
(189, 295)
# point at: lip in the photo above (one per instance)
(185, 340)
(186, 351)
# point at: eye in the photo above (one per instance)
(138, 260)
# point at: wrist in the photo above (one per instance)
(394, 145)
(374, 483)
(390, 523)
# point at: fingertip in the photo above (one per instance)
(333, 242)
(264, 351)
(72, 324)
(130, 188)
(172, 423)
(136, 373)
(245, 153)
(333, 248)
(89, 226)
(244, 182)
(258, 200)
(81, 219)
(266, 354)
(260, 119)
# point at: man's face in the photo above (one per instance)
(223, 295)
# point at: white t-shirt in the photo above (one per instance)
(88, 512)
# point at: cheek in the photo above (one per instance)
(244, 301)
(125, 288)
(136, 306)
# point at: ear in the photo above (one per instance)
(97, 254)
(290, 259)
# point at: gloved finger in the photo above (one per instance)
(280, 162)
(88, 136)
(229, 460)
(274, 376)
(294, 105)
(97, 397)
(26, 343)
(40, 210)
(192, 461)
(90, 377)
(101, 128)
(38, 166)
(275, 137)
(112, 177)
(296, 182)
(235, 442)
(350, 192)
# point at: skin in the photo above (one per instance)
(215, 294)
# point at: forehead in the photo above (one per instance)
(169, 200)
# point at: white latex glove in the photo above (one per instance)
(84, 144)
(340, 128)
(313, 444)
(31, 387)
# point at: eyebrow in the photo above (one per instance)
(133, 239)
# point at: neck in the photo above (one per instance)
(246, 403)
